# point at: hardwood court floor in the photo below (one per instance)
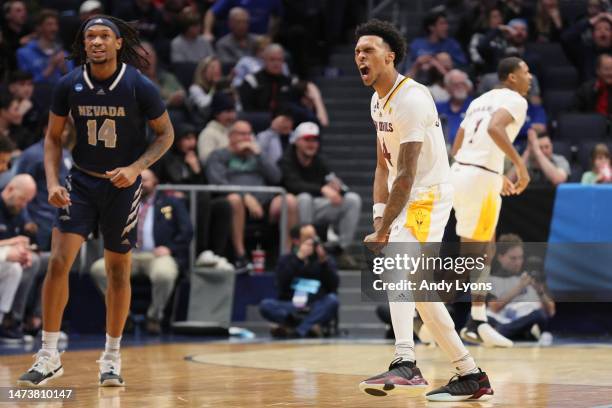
(318, 374)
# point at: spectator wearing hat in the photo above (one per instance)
(436, 41)
(90, 8)
(322, 197)
(241, 163)
(238, 42)
(215, 135)
(274, 140)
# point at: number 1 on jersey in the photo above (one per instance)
(107, 133)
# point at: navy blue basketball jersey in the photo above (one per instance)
(110, 116)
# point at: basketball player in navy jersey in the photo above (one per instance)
(111, 103)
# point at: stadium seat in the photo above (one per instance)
(557, 102)
(184, 73)
(560, 77)
(577, 128)
(258, 120)
(563, 148)
(584, 153)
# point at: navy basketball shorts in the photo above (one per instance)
(97, 203)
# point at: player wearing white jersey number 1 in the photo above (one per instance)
(413, 200)
(485, 136)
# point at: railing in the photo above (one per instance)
(194, 189)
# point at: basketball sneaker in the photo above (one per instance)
(47, 366)
(481, 332)
(110, 371)
(403, 377)
(470, 387)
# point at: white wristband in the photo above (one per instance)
(377, 210)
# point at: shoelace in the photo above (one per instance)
(41, 364)
(108, 366)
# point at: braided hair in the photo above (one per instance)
(129, 51)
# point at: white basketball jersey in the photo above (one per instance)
(478, 147)
(408, 114)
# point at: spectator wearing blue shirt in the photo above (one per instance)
(436, 41)
(31, 162)
(264, 16)
(43, 56)
(452, 112)
(536, 118)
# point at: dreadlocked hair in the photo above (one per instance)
(131, 52)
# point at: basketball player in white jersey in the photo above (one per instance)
(485, 136)
(411, 181)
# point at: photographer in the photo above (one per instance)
(307, 282)
(521, 304)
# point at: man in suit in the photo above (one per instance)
(164, 233)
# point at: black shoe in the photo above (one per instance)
(153, 326)
(242, 264)
(470, 387)
(403, 377)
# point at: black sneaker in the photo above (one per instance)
(481, 332)
(403, 377)
(47, 366)
(471, 387)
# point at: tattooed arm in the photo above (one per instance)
(123, 177)
(400, 191)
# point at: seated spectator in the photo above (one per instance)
(549, 23)
(600, 166)
(239, 42)
(269, 88)
(215, 135)
(146, 17)
(164, 235)
(459, 87)
(205, 79)
(241, 164)
(436, 41)
(14, 255)
(190, 45)
(430, 70)
(492, 49)
(310, 106)
(7, 147)
(583, 52)
(13, 201)
(172, 92)
(545, 168)
(16, 29)
(275, 140)
(520, 298)
(264, 16)
(11, 120)
(43, 56)
(512, 9)
(180, 165)
(21, 86)
(322, 197)
(31, 162)
(496, 39)
(307, 282)
(536, 119)
(594, 95)
(251, 64)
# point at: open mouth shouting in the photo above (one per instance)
(364, 70)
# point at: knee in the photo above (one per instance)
(265, 306)
(331, 300)
(59, 265)
(352, 200)
(14, 270)
(165, 274)
(118, 277)
(304, 198)
(97, 269)
(235, 202)
(291, 201)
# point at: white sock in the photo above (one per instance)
(112, 345)
(479, 312)
(466, 365)
(402, 317)
(49, 341)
